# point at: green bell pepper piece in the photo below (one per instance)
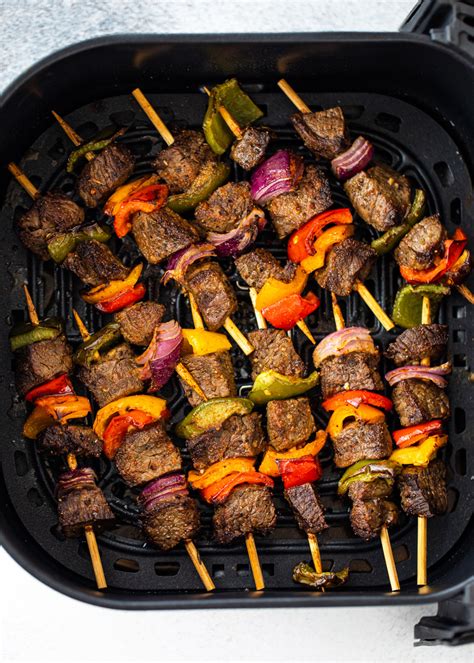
(389, 240)
(64, 243)
(93, 146)
(212, 414)
(239, 105)
(306, 575)
(407, 307)
(209, 179)
(27, 333)
(367, 471)
(271, 385)
(89, 351)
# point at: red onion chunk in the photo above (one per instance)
(276, 175)
(353, 160)
(181, 260)
(433, 373)
(344, 341)
(83, 477)
(161, 356)
(163, 488)
(237, 240)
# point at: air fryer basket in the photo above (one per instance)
(402, 91)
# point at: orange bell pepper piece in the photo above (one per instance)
(300, 244)
(274, 290)
(219, 470)
(362, 413)
(269, 463)
(323, 244)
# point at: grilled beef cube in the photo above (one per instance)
(59, 440)
(54, 212)
(147, 454)
(421, 244)
(361, 440)
(180, 163)
(417, 401)
(307, 508)
(370, 490)
(274, 351)
(356, 370)
(138, 322)
(289, 211)
(460, 273)
(39, 362)
(369, 516)
(214, 373)
(105, 173)
(250, 150)
(249, 508)
(225, 208)
(289, 423)
(215, 299)
(116, 375)
(257, 266)
(94, 264)
(171, 521)
(423, 489)
(418, 342)
(380, 196)
(239, 436)
(348, 261)
(161, 233)
(324, 133)
(81, 507)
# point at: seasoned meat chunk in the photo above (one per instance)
(257, 266)
(171, 521)
(289, 211)
(39, 362)
(59, 440)
(417, 401)
(274, 351)
(225, 208)
(214, 373)
(356, 370)
(380, 196)
(180, 163)
(239, 436)
(324, 132)
(215, 299)
(289, 423)
(250, 150)
(138, 322)
(105, 173)
(421, 244)
(423, 489)
(161, 233)
(52, 213)
(114, 376)
(94, 264)
(147, 454)
(361, 440)
(370, 490)
(307, 508)
(348, 262)
(83, 506)
(369, 516)
(418, 342)
(249, 508)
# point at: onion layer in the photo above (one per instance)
(433, 373)
(83, 477)
(278, 174)
(181, 260)
(238, 239)
(353, 160)
(161, 356)
(344, 341)
(170, 485)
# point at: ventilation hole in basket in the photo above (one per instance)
(68, 188)
(57, 151)
(57, 533)
(122, 118)
(83, 550)
(444, 173)
(127, 565)
(21, 463)
(118, 489)
(467, 19)
(141, 147)
(242, 570)
(459, 311)
(87, 130)
(459, 420)
(327, 564)
(353, 112)
(456, 211)
(389, 122)
(459, 336)
(268, 570)
(401, 553)
(460, 462)
(360, 566)
(34, 497)
(167, 568)
(460, 361)
(218, 570)
(453, 497)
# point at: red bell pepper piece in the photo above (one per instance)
(148, 199)
(57, 386)
(119, 426)
(220, 490)
(406, 437)
(355, 397)
(453, 249)
(297, 471)
(125, 298)
(300, 244)
(287, 312)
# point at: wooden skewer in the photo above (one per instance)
(156, 120)
(23, 180)
(293, 97)
(261, 322)
(71, 134)
(373, 305)
(466, 293)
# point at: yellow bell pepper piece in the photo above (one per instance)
(274, 290)
(420, 454)
(102, 292)
(150, 404)
(322, 245)
(269, 465)
(364, 412)
(55, 408)
(203, 342)
(123, 192)
(219, 470)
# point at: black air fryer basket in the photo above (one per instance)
(412, 94)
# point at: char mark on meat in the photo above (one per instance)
(257, 266)
(307, 508)
(59, 440)
(417, 401)
(423, 489)
(324, 132)
(225, 208)
(421, 244)
(289, 423)
(369, 516)
(213, 372)
(418, 342)
(250, 150)
(349, 261)
(180, 163)
(106, 172)
(138, 322)
(171, 521)
(215, 298)
(356, 370)
(161, 233)
(274, 351)
(39, 362)
(94, 264)
(249, 508)
(81, 507)
(361, 440)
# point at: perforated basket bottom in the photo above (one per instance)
(404, 137)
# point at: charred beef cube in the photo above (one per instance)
(423, 489)
(250, 150)
(422, 244)
(82, 504)
(180, 163)
(289, 423)
(138, 322)
(380, 196)
(274, 351)
(214, 373)
(257, 266)
(215, 299)
(370, 490)
(249, 508)
(147, 454)
(356, 370)
(324, 133)
(171, 521)
(39, 362)
(94, 264)
(59, 440)
(417, 401)
(348, 262)
(361, 440)
(239, 436)
(369, 516)
(105, 173)
(54, 212)
(161, 233)
(225, 208)
(290, 211)
(418, 342)
(114, 376)
(307, 508)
